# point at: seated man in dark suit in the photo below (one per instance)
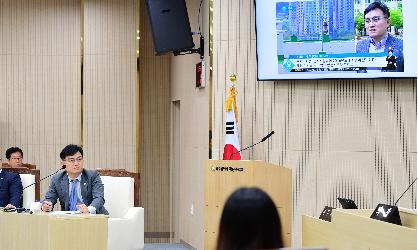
(76, 188)
(10, 189)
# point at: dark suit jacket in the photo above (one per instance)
(92, 190)
(395, 43)
(10, 189)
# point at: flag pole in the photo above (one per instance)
(232, 145)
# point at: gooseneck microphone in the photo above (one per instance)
(262, 140)
(410, 185)
(21, 196)
(267, 136)
(63, 167)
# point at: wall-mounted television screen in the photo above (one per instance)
(311, 39)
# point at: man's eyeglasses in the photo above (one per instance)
(73, 160)
(16, 158)
(374, 19)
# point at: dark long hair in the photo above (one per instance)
(249, 221)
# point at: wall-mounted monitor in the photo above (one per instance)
(170, 25)
(313, 39)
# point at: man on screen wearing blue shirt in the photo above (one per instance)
(377, 22)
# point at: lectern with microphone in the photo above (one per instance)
(224, 177)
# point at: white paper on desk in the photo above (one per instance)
(64, 212)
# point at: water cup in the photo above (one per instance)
(35, 207)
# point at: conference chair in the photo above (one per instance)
(28, 177)
(126, 222)
(24, 165)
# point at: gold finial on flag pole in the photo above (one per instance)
(233, 78)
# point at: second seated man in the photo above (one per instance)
(14, 157)
(76, 188)
(10, 183)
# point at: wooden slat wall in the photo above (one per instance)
(110, 84)
(193, 132)
(341, 138)
(163, 80)
(154, 135)
(39, 79)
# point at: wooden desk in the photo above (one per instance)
(43, 231)
(354, 229)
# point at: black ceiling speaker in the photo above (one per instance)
(170, 25)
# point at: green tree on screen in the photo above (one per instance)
(396, 18)
(359, 20)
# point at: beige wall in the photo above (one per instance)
(110, 84)
(163, 80)
(40, 78)
(341, 138)
(308, 117)
(154, 135)
(352, 138)
(41, 106)
(194, 131)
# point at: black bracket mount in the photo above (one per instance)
(200, 51)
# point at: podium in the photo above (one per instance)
(224, 177)
(354, 229)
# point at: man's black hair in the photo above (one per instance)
(70, 150)
(12, 150)
(378, 5)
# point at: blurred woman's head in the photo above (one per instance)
(249, 221)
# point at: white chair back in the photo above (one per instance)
(28, 193)
(118, 194)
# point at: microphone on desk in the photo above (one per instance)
(389, 213)
(262, 140)
(21, 196)
(410, 185)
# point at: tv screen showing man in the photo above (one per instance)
(298, 39)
